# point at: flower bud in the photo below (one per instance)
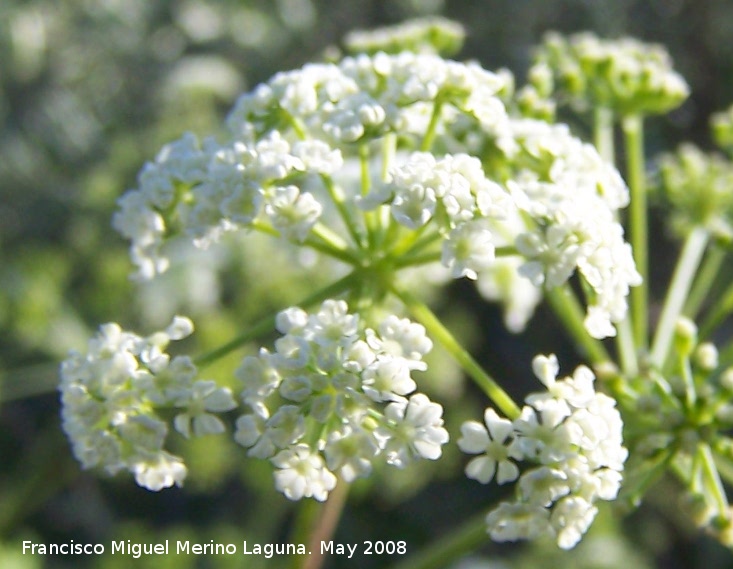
(685, 336)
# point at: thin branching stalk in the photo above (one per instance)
(603, 138)
(704, 281)
(443, 336)
(633, 128)
(684, 273)
(567, 308)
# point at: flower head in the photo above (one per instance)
(112, 394)
(571, 438)
(337, 392)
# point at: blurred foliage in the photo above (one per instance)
(89, 90)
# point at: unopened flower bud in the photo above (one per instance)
(706, 356)
(685, 336)
(726, 379)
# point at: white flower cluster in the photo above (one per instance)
(573, 437)
(110, 396)
(285, 136)
(203, 191)
(571, 198)
(334, 396)
(293, 144)
(454, 192)
(364, 97)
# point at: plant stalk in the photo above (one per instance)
(435, 328)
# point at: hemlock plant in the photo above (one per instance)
(397, 164)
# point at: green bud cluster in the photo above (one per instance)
(697, 186)
(624, 75)
(433, 35)
(682, 417)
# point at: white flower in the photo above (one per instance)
(414, 206)
(301, 473)
(416, 430)
(260, 378)
(468, 250)
(571, 518)
(144, 227)
(553, 255)
(401, 339)
(338, 389)
(333, 324)
(352, 117)
(511, 521)
(291, 319)
(204, 399)
(572, 197)
(181, 327)
(158, 471)
(350, 452)
(454, 186)
(543, 486)
(493, 446)
(541, 434)
(249, 429)
(387, 379)
(293, 352)
(286, 426)
(317, 156)
(577, 390)
(292, 212)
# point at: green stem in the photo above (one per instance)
(634, 490)
(715, 485)
(345, 212)
(417, 260)
(441, 553)
(414, 257)
(722, 458)
(321, 239)
(329, 243)
(389, 150)
(687, 265)
(704, 281)
(267, 323)
(633, 128)
(603, 133)
(568, 310)
(437, 331)
(414, 241)
(429, 137)
(686, 372)
(626, 348)
(370, 217)
(603, 138)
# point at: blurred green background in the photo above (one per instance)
(90, 90)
